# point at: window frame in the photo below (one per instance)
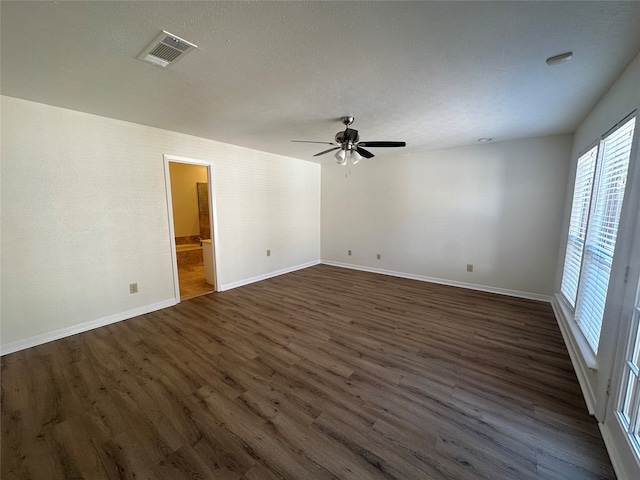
(628, 392)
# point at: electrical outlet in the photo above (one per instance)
(133, 288)
(469, 267)
(268, 253)
(349, 252)
(379, 256)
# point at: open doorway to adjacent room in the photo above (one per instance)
(191, 213)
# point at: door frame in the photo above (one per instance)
(213, 222)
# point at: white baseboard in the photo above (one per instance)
(451, 283)
(82, 327)
(615, 455)
(247, 281)
(580, 365)
(101, 322)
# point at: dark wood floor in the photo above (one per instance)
(322, 373)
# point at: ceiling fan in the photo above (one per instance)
(349, 145)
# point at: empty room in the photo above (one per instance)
(320, 240)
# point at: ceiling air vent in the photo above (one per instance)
(165, 50)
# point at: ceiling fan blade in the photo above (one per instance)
(383, 144)
(364, 153)
(326, 151)
(310, 141)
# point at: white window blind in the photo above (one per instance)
(602, 228)
(578, 224)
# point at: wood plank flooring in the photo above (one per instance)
(323, 373)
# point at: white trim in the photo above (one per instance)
(83, 327)
(213, 221)
(441, 281)
(615, 455)
(259, 278)
(213, 218)
(172, 232)
(193, 161)
(578, 350)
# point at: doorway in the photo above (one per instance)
(190, 209)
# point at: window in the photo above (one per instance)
(629, 399)
(600, 181)
(578, 224)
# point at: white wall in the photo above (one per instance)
(184, 197)
(621, 99)
(494, 206)
(593, 373)
(84, 214)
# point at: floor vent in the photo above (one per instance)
(165, 50)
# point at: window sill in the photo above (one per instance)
(573, 336)
(582, 357)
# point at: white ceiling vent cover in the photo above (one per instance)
(165, 50)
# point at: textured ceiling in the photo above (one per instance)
(433, 74)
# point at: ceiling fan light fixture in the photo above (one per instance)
(341, 157)
(355, 157)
